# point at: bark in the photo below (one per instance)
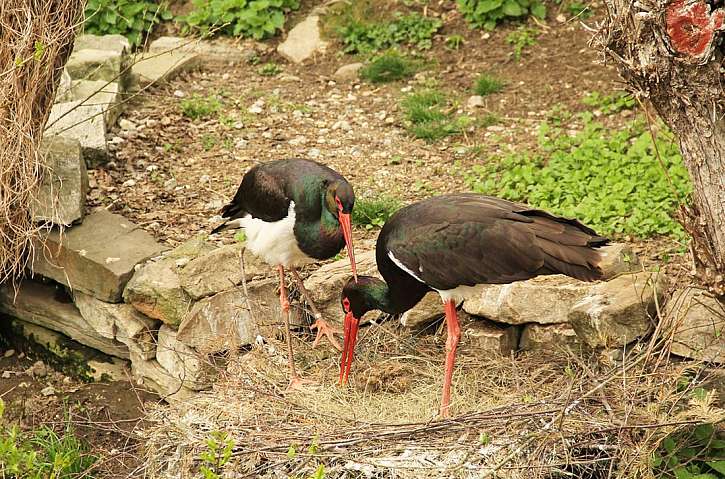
(670, 52)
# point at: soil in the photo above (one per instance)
(171, 174)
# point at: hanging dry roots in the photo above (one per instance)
(36, 38)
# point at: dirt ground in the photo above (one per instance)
(171, 174)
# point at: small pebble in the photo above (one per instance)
(9, 353)
(179, 94)
(47, 391)
(181, 262)
(6, 375)
(126, 124)
(129, 183)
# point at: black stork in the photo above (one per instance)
(294, 212)
(451, 244)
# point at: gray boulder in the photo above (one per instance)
(552, 337)
(100, 93)
(619, 311)
(99, 58)
(489, 339)
(303, 41)
(83, 122)
(348, 72)
(424, 313)
(182, 362)
(96, 257)
(61, 199)
(698, 320)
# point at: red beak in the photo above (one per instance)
(346, 224)
(351, 326)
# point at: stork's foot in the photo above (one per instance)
(297, 383)
(324, 329)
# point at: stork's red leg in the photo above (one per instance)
(295, 380)
(454, 334)
(323, 327)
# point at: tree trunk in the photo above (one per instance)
(670, 53)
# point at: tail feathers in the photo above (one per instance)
(231, 213)
(585, 264)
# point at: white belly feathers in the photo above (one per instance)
(275, 242)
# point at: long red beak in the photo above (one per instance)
(346, 223)
(351, 326)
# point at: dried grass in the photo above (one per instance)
(536, 415)
(36, 38)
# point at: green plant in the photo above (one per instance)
(611, 180)
(247, 18)
(208, 141)
(454, 42)
(197, 107)
(219, 450)
(487, 13)
(487, 84)
(579, 10)
(521, 38)
(696, 453)
(428, 117)
(269, 69)
(42, 453)
(388, 68)
(609, 103)
(374, 212)
(412, 30)
(131, 18)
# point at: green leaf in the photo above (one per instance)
(718, 466)
(512, 8)
(538, 10)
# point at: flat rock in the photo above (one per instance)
(617, 312)
(208, 52)
(160, 67)
(219, 270)
(83, 122)
(153, 376)
(116, 369)
(429, 309)
(325, 284)
(349, 72)
(121, 322)
(543, 300)
(181, 361)
(698, 319)
(155, 290)
(303, 41)
(113, 43)
(618, 258)
(224, 321)
(486, 338)
(61, 199)
(551, 337)
(99, 92)
(96, 64)
(42, 305)
(63, 92)
(96, 257)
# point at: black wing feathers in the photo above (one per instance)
(469, 239)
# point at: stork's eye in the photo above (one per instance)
(346, 305)
(339, 203)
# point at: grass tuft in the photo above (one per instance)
(374, 212)
(198, 107)
(426, 113)
(487, 84)
(387, 68)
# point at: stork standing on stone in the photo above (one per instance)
(294, 212)
(453, 243)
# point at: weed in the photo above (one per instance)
(198, 107)
(219, 451)
(42, 453)
(454, 42)
(487, 84)
(521, 38)
(426, 117)
(269, 70)
(388, 68)
(248, 18)
(579, 10)
(131, 18)
(696, 453)
(374, 212)
(611, 180)
(208, 141)
(609, 103)
(487, 13)
(414, 30)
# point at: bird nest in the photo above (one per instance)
(535, 415)
(36, 39)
